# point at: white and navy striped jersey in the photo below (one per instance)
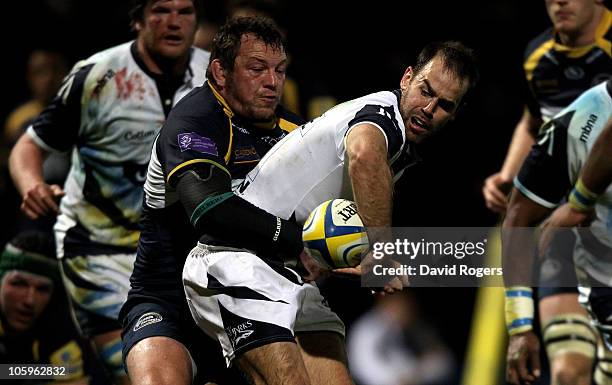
(308, 166)
(553, 167)
(108, 113)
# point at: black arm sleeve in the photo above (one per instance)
(214, 210)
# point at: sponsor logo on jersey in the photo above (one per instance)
(246, 154)
(102, 82)
(147, 319)
(587, 128)
(240, 332)
(574, 73)
(195, 142)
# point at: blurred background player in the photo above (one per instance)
(44, 74)
(226, 126)
(565, 60)
(35, 323)
(392, 344)
(546, 177)
(108, 112)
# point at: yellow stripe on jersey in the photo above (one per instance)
(230, 114)
(226, 108)
(286, 125)
(184, 164)
(231, 142)
(533, 59)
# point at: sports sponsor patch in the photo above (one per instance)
(147, 319)
(195, 142)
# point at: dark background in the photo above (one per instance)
(348, 49)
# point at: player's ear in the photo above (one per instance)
(218, 72)
(406, 78)
(137, 26)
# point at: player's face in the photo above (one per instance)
(23, 297)
(430, 99)
(571, 16)
(168, 28)
(255, 85)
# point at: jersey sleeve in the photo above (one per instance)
(382, 117)
(187, 142)
(57, 127)
(544, 176)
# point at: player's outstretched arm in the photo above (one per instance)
(25, 165)
(372, 183)
(517, 258)
(498, 185)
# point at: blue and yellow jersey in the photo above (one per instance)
(107, 113)
(557, 74)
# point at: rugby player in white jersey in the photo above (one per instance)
(257, 308)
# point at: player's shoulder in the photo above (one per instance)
(585, 116)
(104, 64)
(284, 114)
(539, 43)
(110, 57)
(385, 98)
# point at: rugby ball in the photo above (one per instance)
(334, 234)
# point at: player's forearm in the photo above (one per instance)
(25, 164)
(522, 140)
(372, 189)
(518, 239)
(371, 181)
(214, 210)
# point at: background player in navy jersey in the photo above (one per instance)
(267, 319)
(108, 112)
(546, 177)
(219, 130)
(565, 60)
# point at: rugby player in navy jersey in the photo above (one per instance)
(210, 141)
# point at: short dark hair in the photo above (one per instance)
(226, 43)
(137, 8)
(458, 58)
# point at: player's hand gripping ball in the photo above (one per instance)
(334, 234)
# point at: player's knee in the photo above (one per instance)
(571, 369)
(159, 361)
